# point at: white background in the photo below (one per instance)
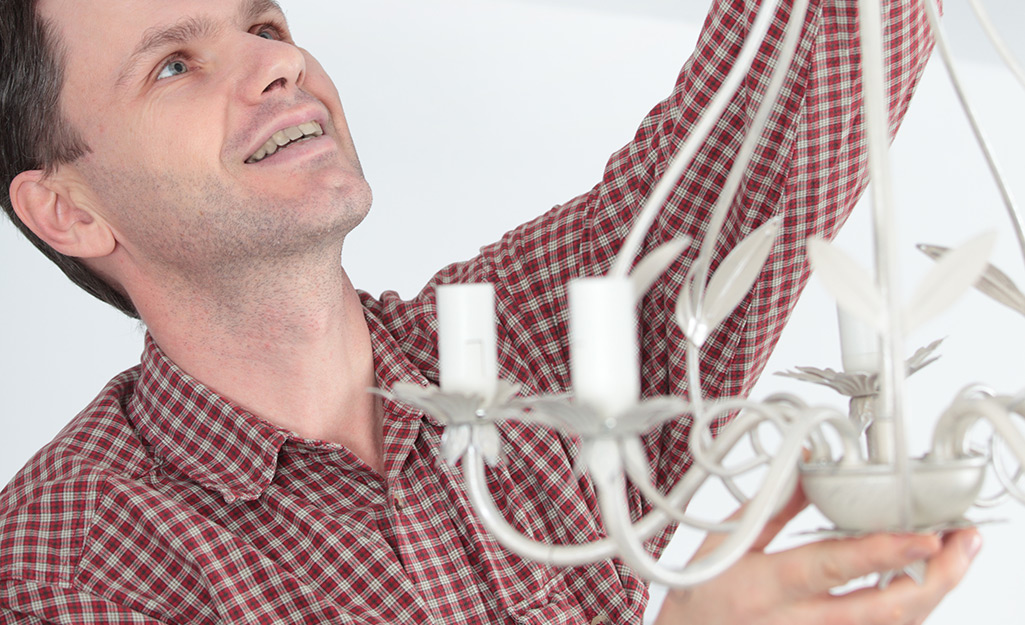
(472, 117)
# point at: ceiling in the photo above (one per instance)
(690, 10)
(966, 37)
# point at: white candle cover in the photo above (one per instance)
(467, 349)
(604, 364)
(859, 344)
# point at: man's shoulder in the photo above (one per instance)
(100, 437)
(45, 509)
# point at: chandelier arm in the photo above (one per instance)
(708, 452)
(611, 486)
(691, 481)
(566, 555)
(757, 447)
(706, 461)
(686, 153)
(655, 520)
(559, 417)
(791, 406)
(511, 538)
(1002, 496)
(998, 42)
(654, 412)
(976, 391)
(735, 471)
(849, 434)
(638, 475)
(697, 276)
(701, 445)
(761, 457)
(651, 523)
(1009, 484)
(954, 424)
(679, 496)
(697, 403)
(735, 491)
(1013, 211)
(993, 501)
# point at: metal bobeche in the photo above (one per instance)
(854, 466)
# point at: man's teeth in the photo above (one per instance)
(282, 138)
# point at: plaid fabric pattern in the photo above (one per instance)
(163, 503)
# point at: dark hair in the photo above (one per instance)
(35, 133)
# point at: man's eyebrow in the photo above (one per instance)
(182, 31)
(256, 8)
(185, 30)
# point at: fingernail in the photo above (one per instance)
(919, 552)
(920, 546)
(971, 545)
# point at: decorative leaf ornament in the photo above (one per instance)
(737, 273)
(466, 419)
(856, 293)
(687, 315)
(698, 315)
(948, 279)
(858, 383)
(847, 281)
(657, 261)
(993, 282)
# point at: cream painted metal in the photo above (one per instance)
(858, 471)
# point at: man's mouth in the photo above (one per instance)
(284, 138)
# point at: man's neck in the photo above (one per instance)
(299, 357)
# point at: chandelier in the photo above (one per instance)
(854, 465)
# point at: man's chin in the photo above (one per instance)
(352, 203)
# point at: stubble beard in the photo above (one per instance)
(203, 237)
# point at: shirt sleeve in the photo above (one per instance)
(809, 170)
(32, 603)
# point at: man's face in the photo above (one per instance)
(179, 101)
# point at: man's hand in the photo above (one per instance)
(792, 587)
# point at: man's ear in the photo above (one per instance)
(63, 220)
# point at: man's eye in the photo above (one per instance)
(173, 68)
(269, 32)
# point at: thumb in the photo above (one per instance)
(797, 502)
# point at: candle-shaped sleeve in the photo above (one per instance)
(859, 344)
(604, 361)
(467, 351)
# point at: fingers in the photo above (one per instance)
(945, 571)
(818, 567)
(792, 586)
(904, 601)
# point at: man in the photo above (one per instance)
(203, 177)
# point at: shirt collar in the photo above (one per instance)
(190, 427)
(393, 366)
(223, 447)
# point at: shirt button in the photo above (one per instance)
(397, 501)
(601, 619)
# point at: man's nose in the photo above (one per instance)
(271, 66)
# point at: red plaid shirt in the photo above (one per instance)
(162, 502)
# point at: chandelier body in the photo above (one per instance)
(853, 466)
